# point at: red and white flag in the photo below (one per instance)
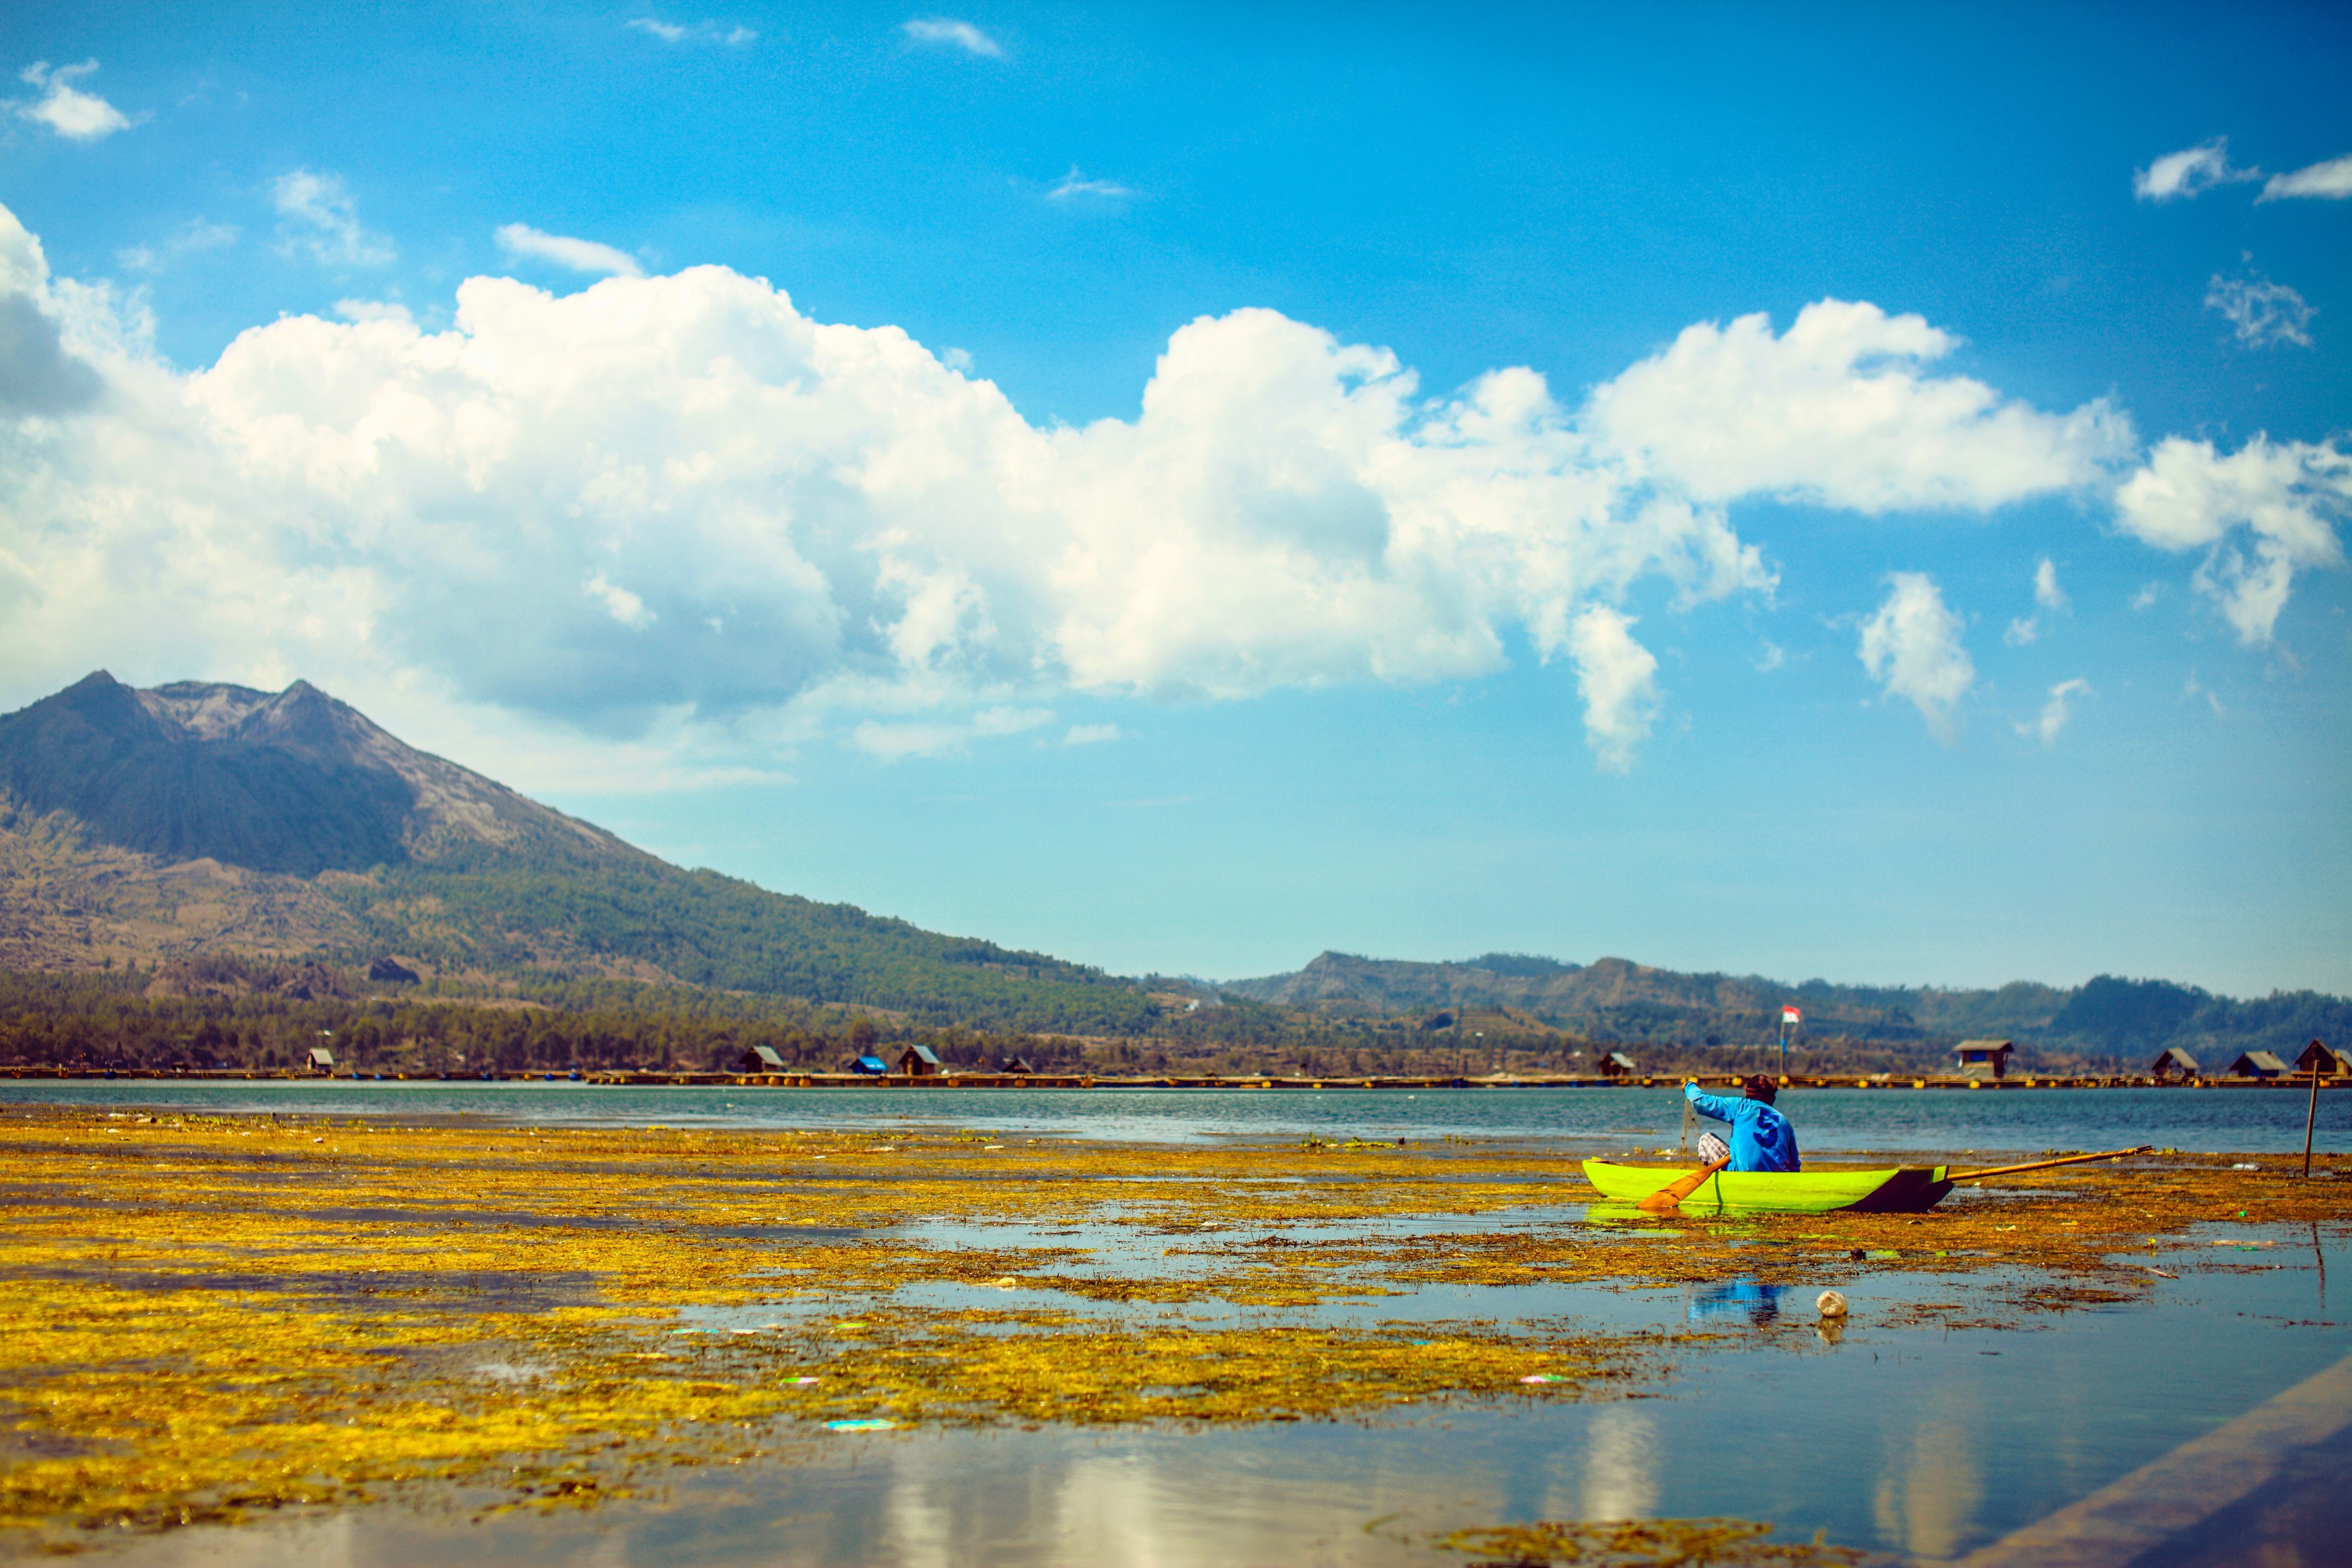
(1791, 1013)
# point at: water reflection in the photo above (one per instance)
(1109, 1512)
(1757, 1302)
(1927, 1498)
(1620, 1464)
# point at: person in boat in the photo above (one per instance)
(1761, 1138)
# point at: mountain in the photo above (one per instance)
(201, 822)
(1615, 999)
(206, 818)
(291, 782)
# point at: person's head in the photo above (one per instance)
(1762, 1088)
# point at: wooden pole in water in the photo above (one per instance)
(2311, 1115)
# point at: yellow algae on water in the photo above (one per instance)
(1645, 1543)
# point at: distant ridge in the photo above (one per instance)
(1616, 999)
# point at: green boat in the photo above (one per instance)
(1899, 1189)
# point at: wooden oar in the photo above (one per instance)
(2045, 1165)
(1671, 1196)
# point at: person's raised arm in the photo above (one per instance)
(1714, 1105)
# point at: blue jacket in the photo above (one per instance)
(1761, 1138)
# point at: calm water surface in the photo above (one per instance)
(1829, 1120)
(1923, 1443)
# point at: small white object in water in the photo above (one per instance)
(2246, 1167)
(1830, 1304)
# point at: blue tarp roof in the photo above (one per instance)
(871, 1064)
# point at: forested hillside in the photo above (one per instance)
(659, 923)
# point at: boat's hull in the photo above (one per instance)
(1899, 1189)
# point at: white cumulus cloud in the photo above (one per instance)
(2189, 172)
(2260, 312)
(679, 507)
(1619, 679)
(2261, 513)
(561, 250)
(322, 217)
(1911, 644)
(1841, 410)
(64, 107)
(954, 34)
(1090, 734)
(2054, 712)
(2330, 180)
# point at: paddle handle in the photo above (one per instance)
(1671, 1196)
(2045, 1165)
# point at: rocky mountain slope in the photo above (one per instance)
(291, 781)
(202, 818)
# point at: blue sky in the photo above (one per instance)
(1803, 491)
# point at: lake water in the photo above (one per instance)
(1922, 1443)
(1829, 1120)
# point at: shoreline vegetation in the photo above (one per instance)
(220, 1318)
(266, 1015)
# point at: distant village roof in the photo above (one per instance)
(2330, 1063)
(1622, 1061)
(2257, 1064)
(321, 1057)
(762, 1057)
(2172, 1058)
(1983, 1047)
(1017, 1064)
(871, 1064)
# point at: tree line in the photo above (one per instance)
(241, 1013)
